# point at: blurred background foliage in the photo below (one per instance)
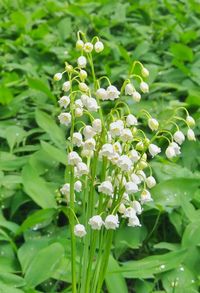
(36, 37)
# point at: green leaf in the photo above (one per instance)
(115, 281)
(48, 124)
(55, 153)
(11, 280)
(37, 219)
(14, 135)
(152, 265)
(43, 264)
(37, 188)
(182, 52)
(41, 86)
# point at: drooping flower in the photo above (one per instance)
(106, 187)
(96, 222)
(79, 230)
(65, 118)
(112, 222)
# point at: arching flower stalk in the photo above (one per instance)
(108, 170)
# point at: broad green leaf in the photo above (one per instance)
(43, 264)
(47, 123)
(14, 135)
(115, 282)
(37, 188)
(11, 280)
(152, 265)
(182, 52)
(39, 85)
(55, 153)
(37, 220)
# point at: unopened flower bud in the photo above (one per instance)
(144, 87)
(129, 89)
(82, 61)
(191, 135)
(57, 76)
(150, 181)
(79, 45)
(145, 72)
(98, 47)
(190, 121)
(66, 86)
(153, 124)
(179, 137)
(83, 87)
(136, 96)
(83, 74)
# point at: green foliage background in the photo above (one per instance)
(36, 37)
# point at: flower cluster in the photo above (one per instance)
(108, 156)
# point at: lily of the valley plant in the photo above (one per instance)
(108, 178)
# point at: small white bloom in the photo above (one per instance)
(170, 152)
(126, 135)
(134, 222)
(78, 112)
(107, 150)
(141, 175)
(83, 74)
(117, 147)
(78, 103)
(179, 137)
(150, 181)
(102, 94)
(144, 87)
(64, 102)
(145, 72)
(77, 139)
(87, 153)
(134, 156)
(112, 222)
(176, 148)
(81, 169)
(106, 188)
(84, 99)
(79, 230)
(83, 87)
(116, 128)
(92, 105)
(129, 89)
(65, 118)
(96, 222)
(190, 121)
(122, 208)
(136, 206)
(131, 187)
(125, 198)
(98, 46)
(88, 132)
(135, 178)
(124, 163)
(140, 146)
(154, 149)
(136, 96)
(145, 196)
(74, 158)
(65, 189)
(82, 61)
(78, 186)
(153, 124)
(88, 47)
(129, 213)
(57, 76)
(191, 135)
(112, 93)
(89, 144)
(131, 120)
(79, 45)
(66, 86)
(96, 125)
